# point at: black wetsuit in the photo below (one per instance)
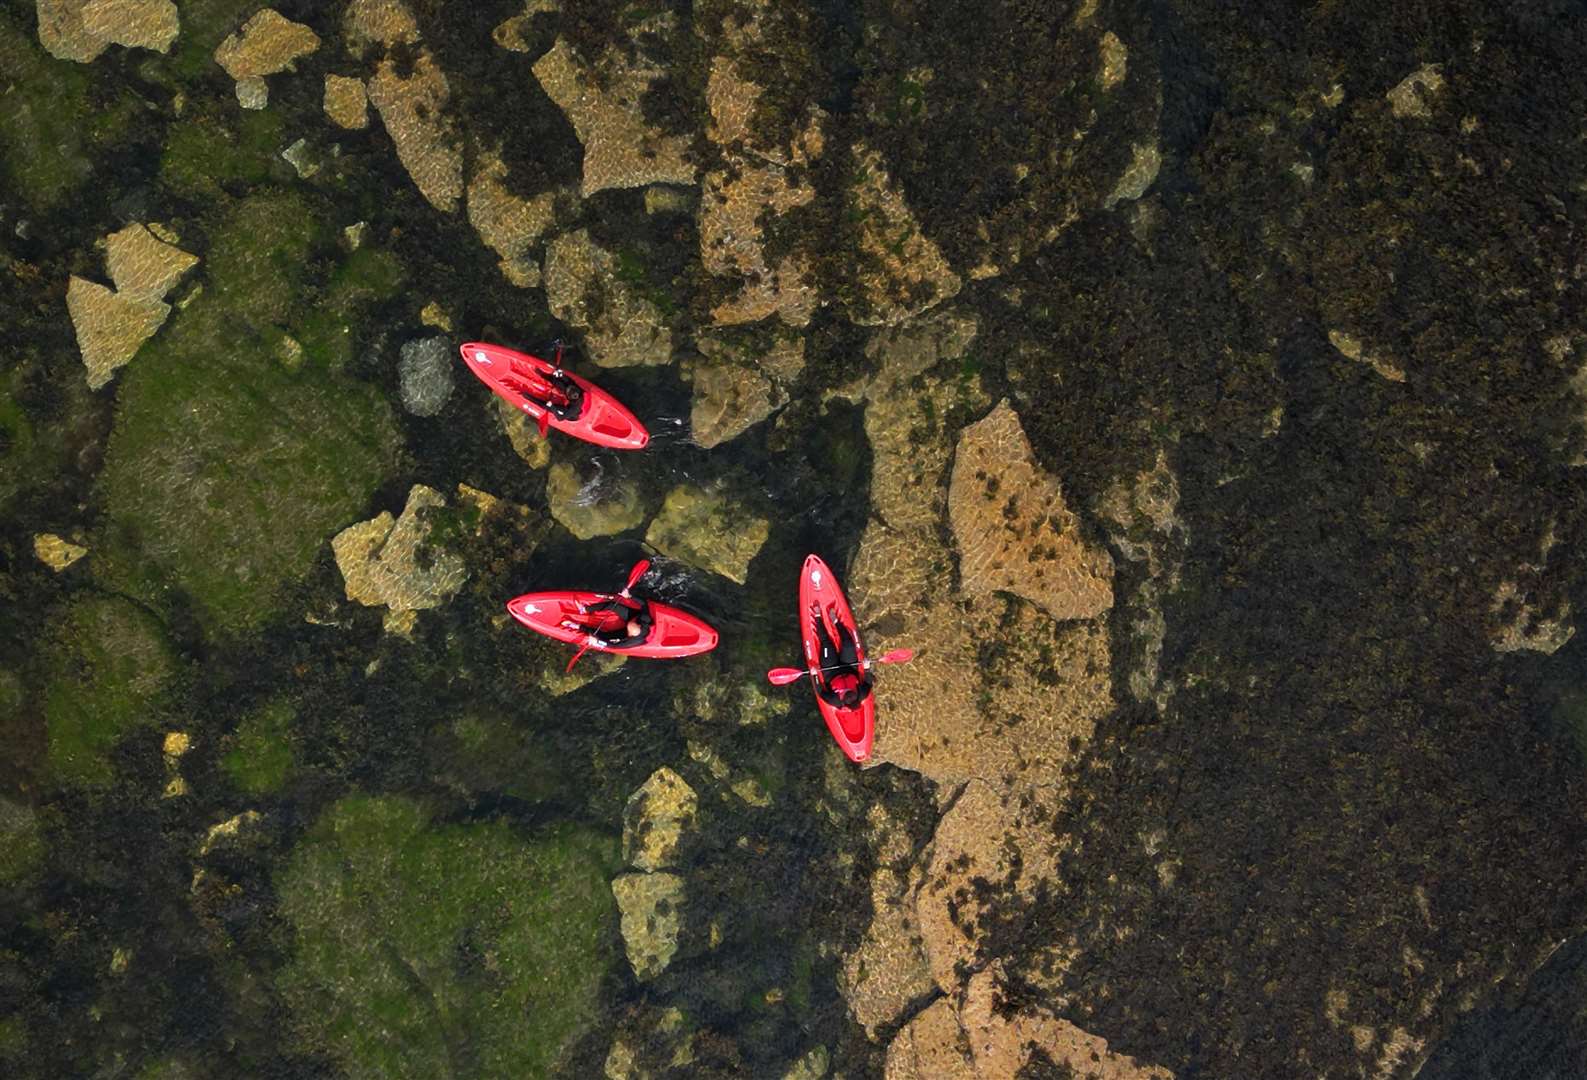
(572, 391)
(625, 609)
(836, 658)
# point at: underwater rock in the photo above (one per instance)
(737, 200)
(509, 224)
(598, 505)
(1527, 628)
(1141, 515)
(509, 33)
(240, 829)
(812, 1065)
(603, 101)
(253, 93)
(728, 401)
(708, 529)
(82, 29)
(1350, 347)
(1115, 61)
(1013, 529)
(111, 326)
(651, 912)
(888, 971)
(142, 266)
(55, 552)
(303, 158)
(903, 273)
(621, 327)
(268, 43)
(107, 666)
(410, 937)
(346, 103)
(960, 710)
(425, 371)
(992, 851)
(21, 845)
(556, 680)
(390, 562)
(1145, 161)
(656, 819)
(976, 1038)
(1410, 97)
(522, 433)
(649, 1043)
(413, 107)
(378, 22)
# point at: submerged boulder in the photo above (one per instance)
(391, 562)
(621, 326)
(601, 503)
(656, 818)
(603, 99)
(425, 371)
(82, 29)
(651, 909)
(706, 527)
(112, 325)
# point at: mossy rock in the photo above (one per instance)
(482, 751)
(431, 950)
(227, 471)
(368, 276)
(47, 129)
(109, 667)
(205, 155)
(21, 845)
(262, 752)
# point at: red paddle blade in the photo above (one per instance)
(582, 650)
(897, 656)
(641, 568)
(545, 423)
(782, 676)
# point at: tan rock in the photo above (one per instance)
(656, 819)
(346, 103)
(888, 971)
(1411, 95)
(592, 505)
(253, 92)
(706, 528)
(143, 267)
(82, 29)
(413, 109)
(378, 22)
(110, 328)
(55, 552)
(621, 327)
(932, 1046)
(509, 224)
(509, 33)
(732, 243)
(231, 831)
(1526, 627)
(1114, 61)
(603, 100)
(1003, 1044)
(386, 561)
(267, 43)
(136, 24)
(905, 273)
(993, 838)
(728, 400)
(523, 434)
(1145, 161)
(1350, 347)
(1013, 529)
(650, 916)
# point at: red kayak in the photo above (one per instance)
(555, 398)
(568, 617)
(822, 610)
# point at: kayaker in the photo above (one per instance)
(845, 684)
(631, 625)
(566, 399)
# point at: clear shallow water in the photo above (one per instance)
(1344, 732)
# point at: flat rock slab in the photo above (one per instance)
(709, 530)
(267, 43)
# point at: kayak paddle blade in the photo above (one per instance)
(545, 423)
(897, 656)
(582, 650)
(782, 676)
(641, 568)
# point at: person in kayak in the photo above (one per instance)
(630, 627)
(846, 683)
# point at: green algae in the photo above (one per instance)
(48, 132)
(207, 155)
(205, 24)
(262, 754)
(227, 472)
(325, 330)
(21, 845)
(109, 666)
(428, 950)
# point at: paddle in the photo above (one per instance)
(545, 422)
(784, 675)
(639, 570)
